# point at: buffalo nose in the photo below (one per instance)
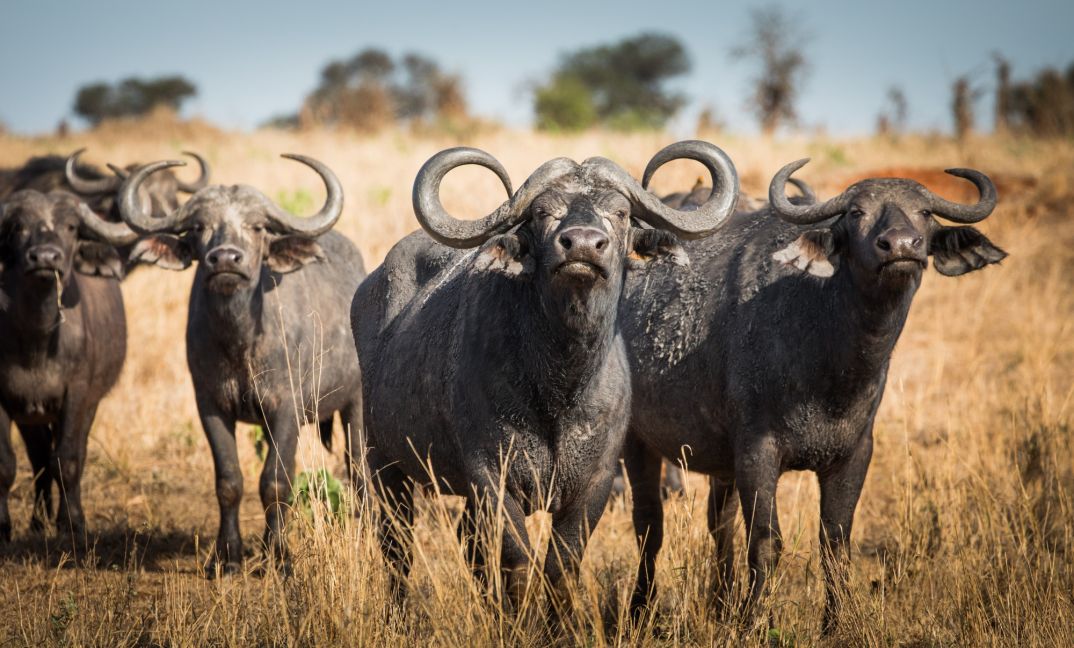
(900, 242)
(224, 255)
(583, 239)
(44, 255)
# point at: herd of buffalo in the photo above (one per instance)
(513, 360)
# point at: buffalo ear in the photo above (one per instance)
(814, 252)
(958, 250)
(163, 250)
(648, 245)
(507, 254)
(98, 259)
(289, 253)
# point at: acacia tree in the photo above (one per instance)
(131, 97)
(622, 85)
(892, 119)
(371, 90)
(774, 44)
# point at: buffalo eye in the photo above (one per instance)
(258, 227)
(198, 227)
(71, 227)
(857, 212)
(926, 212)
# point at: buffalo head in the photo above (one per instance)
(160, 192)
(571, 225)
(45, 236)
(885, 229)
(232, 231)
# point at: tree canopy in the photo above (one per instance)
(131, 97)
(621, 85)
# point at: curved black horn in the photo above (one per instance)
(87, 185)
(959, 213)
(203, 176)
(134, 213)
(808, 195)
(800, 214)
(111, 233)
(451, 231)
(324, 219)
(686, 224)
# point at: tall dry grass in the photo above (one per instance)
(964, 534)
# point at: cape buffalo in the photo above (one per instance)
(99, 189)
(500, 371)
(770, 354)
(63, 337)
(268, 336)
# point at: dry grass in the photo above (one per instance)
(964, 535)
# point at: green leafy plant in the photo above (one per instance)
(318, 486)
(297, 202)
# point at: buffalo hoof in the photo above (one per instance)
(217, 569)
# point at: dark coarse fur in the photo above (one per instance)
(770, 354)
(59, 354)
(504, 363)
(268, 342)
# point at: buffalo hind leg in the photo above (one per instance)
(757, 469)
(7, 475)
(643, 470)
(354, 451)
(395, 491)
(220, 432)
(275, 485)
(840, 488)
(38, 441)
(723, 505)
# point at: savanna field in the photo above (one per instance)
(965, 530)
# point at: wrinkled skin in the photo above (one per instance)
(507, 356)
(770, 354)
(55, 365)
(267, 332)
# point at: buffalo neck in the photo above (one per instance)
(233, 318)
(36, 305)
(868, 324)
(568, 335)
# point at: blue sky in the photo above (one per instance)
(252, 60)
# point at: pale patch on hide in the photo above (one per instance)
(807, 255)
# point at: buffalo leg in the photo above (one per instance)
(7, 474)
(276, 479)
(571, 528)
(220, 432)
(354, 449)
(757, 469)
(69, 461)
(643, 469)
(840, 488)
(723, 505)
(38, 441)
(395, 492)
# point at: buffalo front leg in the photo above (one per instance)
(276, 479)
(69, 460)
(643, 470)
(723, 505)
(220, 432)
(7, 475)
(840, 488)
(354, 450)
(571, 528)
(38, 441)
(757, 469)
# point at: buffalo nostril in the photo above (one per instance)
(884, 245)
(565, 241)
(601, 242)
(916, 242)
